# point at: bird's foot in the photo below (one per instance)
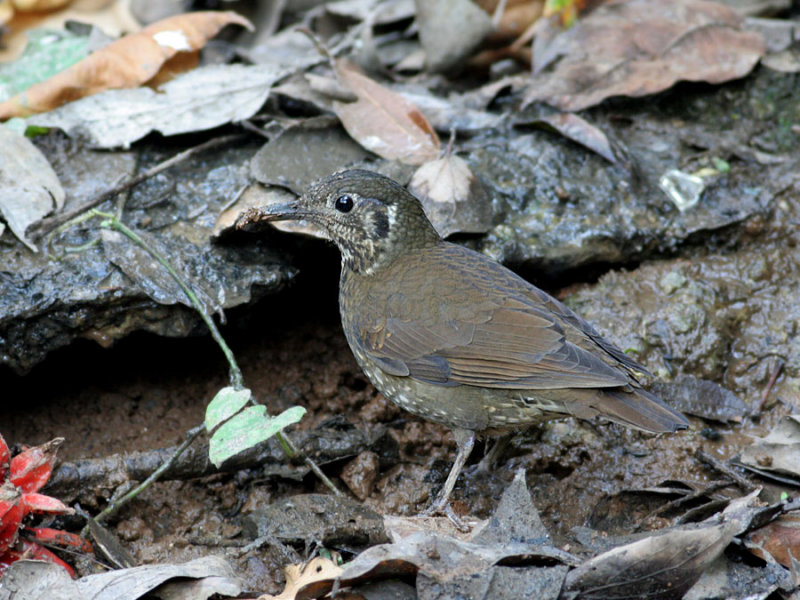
(445, 509)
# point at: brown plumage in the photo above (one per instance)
(452, 336)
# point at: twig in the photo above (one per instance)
(499, 10)
(109, 510)
(47, 225)
(326, 445)
(678, 502)
(770, 384)
(236, 378)
(717, 465)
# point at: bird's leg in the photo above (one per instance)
(465, 440)
(492, 457)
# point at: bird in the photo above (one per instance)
(455, 337)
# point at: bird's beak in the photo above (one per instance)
(253, 218)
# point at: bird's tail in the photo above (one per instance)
(640, 409)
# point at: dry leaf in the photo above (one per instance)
(31, 5)
(256, 196)
(117, 118)
(317, 575)
(447, 47)
(40, 579)
(641, 47)
(129, 62)
(453, 198)
(579, 130)
(30, 186)
(111, 17)
(780, 539)
(778, 452)
(384, 122)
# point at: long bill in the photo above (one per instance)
(253, 218)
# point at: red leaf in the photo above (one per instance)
(34, 551)
(48, 535)
(10, 516)
(31, 469)
(39, 503)
(4, 457)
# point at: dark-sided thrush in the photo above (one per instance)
(450, 335)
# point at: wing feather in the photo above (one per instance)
(479, 324)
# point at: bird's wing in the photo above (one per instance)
(477, 331)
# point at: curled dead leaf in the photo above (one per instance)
(129, 62)
(311, 580)
(383, 121)
(453, 198)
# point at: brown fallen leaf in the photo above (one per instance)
(383, 121)
(579, 130)
(640, 47)
(31, 5)
(453, 198)
(780, 539)
(129, 62)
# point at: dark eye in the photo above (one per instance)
(344, 203)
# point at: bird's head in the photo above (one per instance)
(371, 218)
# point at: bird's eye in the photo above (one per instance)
(344, 203)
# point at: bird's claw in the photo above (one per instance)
(444, 508)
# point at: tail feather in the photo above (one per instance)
(640, 409)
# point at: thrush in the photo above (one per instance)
(452, 336)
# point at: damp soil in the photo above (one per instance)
(147, 391)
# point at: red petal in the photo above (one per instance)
(36, 552)
(61, 538)
(31, 469)
(5, 456)
(9, 527)
(6, 558)
(39, 503)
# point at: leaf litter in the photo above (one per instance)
(129, 62)
(642, 47)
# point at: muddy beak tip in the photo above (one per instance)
(254, 218)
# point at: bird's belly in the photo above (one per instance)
(463, 406)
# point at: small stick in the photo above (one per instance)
(709, 489)
(770, 384)
(499, 10)
(717, 465)
(236, 378)
(119, 502)
(47, 225)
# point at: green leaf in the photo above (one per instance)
(225, 404)
(248, 428)
(721, 165)
(48, 52)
